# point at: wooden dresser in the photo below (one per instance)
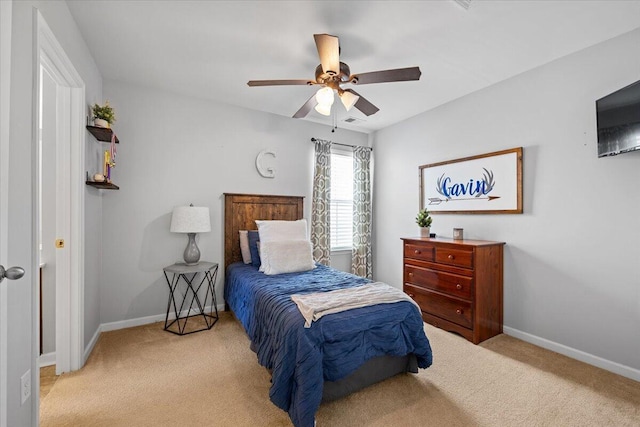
(457, 284)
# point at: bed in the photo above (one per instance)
(338, 354)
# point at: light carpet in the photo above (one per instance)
(145, 376)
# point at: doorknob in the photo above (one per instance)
(12, 274)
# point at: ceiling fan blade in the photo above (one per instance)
(280, 82)
(329, 53)
(304, 110)
(396, 75)
(363, 105)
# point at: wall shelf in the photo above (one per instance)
(102, 134)
(103, 185)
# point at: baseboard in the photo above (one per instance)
(616, 368)
(89, 348)
(47, 359)
(129, 323)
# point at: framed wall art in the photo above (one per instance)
(485, 184)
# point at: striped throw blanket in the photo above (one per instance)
(315, 305)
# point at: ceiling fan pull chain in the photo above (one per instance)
(335, 120)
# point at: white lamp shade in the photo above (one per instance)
(190, 219)
(325, 110)
(324, 96)
(348, 99)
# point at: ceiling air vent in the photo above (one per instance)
(464, 3)
(353, 120)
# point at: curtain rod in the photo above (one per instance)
(345, 145)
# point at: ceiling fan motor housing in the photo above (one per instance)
(331, 76)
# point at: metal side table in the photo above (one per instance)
(184, 302)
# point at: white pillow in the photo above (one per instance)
(271, 231)
(244, 246)
(286, 256)
(280, 230)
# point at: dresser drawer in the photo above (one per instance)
(421, 252)
(451, 284)
(451, 309)
(457, 257)
(448, 326)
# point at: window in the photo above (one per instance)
(341, 200)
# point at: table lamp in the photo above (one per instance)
(191, 220)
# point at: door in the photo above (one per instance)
(19, 377)
(5, 58)
(16, 363)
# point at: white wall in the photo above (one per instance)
(571, 259)
(20, 182)
(176, 150)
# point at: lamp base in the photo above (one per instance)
(191, 253)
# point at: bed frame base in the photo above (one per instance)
(371, 372)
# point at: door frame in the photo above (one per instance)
(5, 100)
(70, 152)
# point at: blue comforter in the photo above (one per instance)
(301, 359)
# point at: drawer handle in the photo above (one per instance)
(410, 274)
(417, 252)
(411, 295)
(458, 286)
(451, 257)
(459, 311)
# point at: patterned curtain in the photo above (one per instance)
(361, 253)
(320, 206)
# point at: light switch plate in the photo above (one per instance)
(25, 386)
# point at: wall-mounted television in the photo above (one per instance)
(618, 117)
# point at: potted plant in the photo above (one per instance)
(423, 219)
(103, 115)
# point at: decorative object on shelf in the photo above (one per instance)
(424, 220)
(106, 166)
(112, 154)
(103, 115)
(487, 183)
(457, 234)
(109, 159)
(101, 123)
(191, 220)
(98, 178)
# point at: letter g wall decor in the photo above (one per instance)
(488, 183)
(263, 170)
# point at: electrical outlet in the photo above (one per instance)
(25, 386)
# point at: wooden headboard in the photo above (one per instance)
(241, 211)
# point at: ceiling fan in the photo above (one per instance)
(331, 73)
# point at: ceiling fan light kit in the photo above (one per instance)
(324, 96)
(348, 100)
(331, 73)
(325, 110)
